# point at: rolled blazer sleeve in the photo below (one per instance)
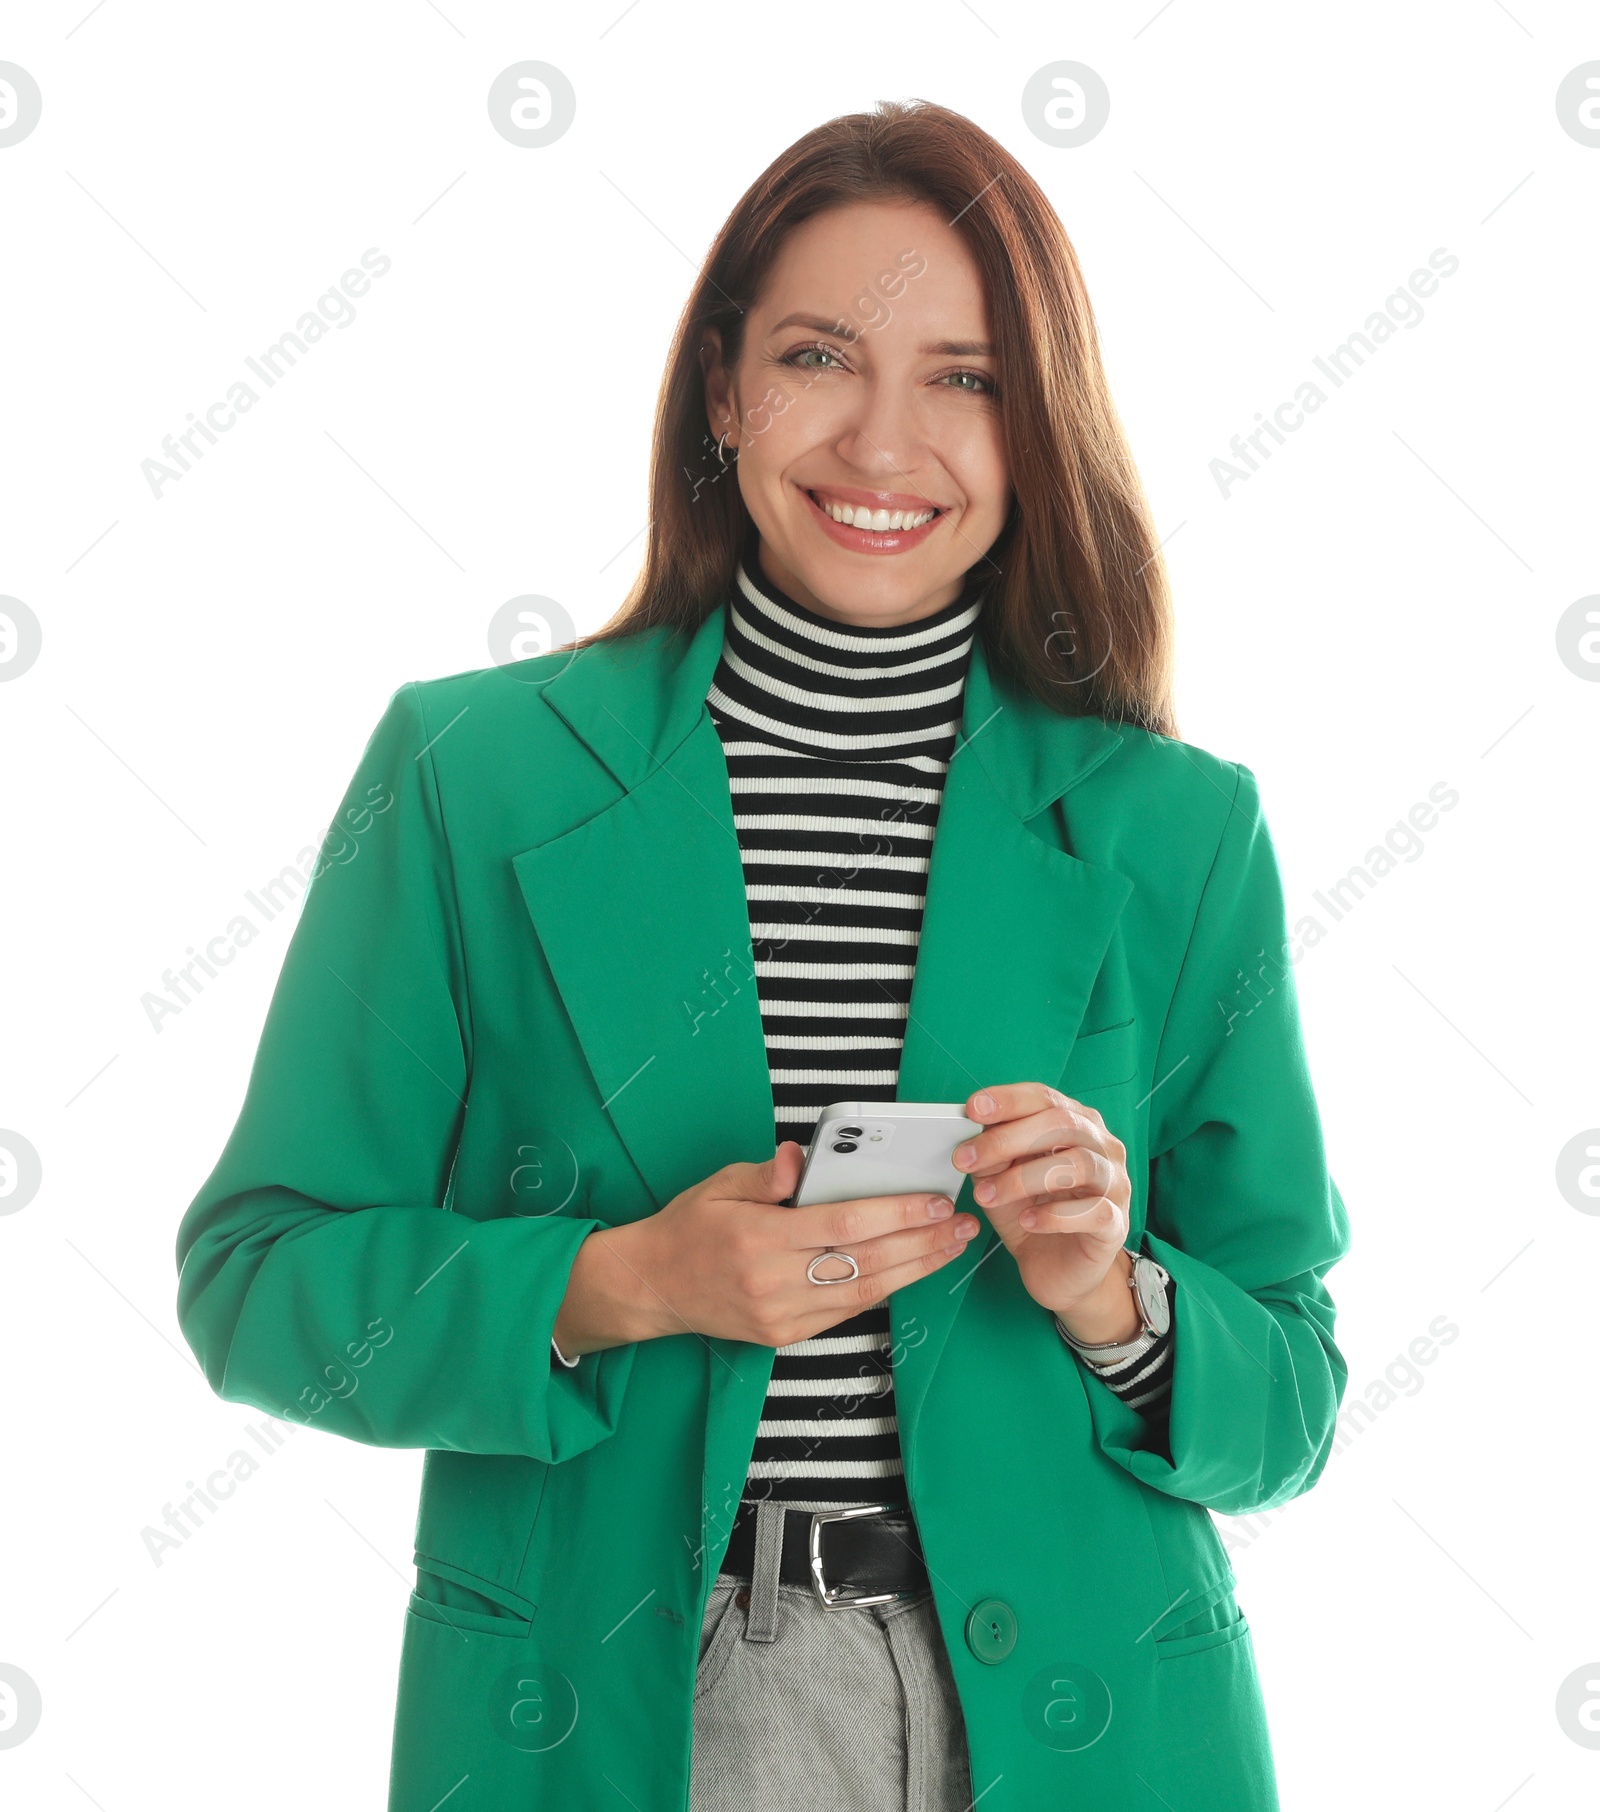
(321, 1276)
(1241, 1209)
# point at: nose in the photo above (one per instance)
(883, 437)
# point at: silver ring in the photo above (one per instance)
(849, 1259)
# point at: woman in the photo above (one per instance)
(872, 791)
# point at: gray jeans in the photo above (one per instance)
(823, 1711)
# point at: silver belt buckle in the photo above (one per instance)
(829, 1596)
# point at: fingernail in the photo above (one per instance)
(983, 1103)
(963, 1155)
(984, 1191)
(1028, 1218)
(939, 1206)
(966, 1227)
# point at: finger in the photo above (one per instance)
(1060, 1121)
(772, 1180)
(1100, 1217)
(863, 1218)
(875, 1256)
(1008, 1101)
(1071, 1170)
(866, 1292)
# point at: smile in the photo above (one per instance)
(888, 524)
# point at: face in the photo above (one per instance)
(865, 415)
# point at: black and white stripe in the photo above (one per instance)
(1145, 1382)
(837, 740)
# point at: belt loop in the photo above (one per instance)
(762, 1625)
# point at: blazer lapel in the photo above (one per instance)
(641, 912)
(642, 916)
(1014, 933)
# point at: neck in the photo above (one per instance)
(790, 677)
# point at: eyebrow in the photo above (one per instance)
(949, 349)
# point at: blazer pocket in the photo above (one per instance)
(1101, 1059)
(440, 1598)
(1208, 1618)
(1233, 1627)
(479, 1623)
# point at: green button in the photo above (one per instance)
(991, 1630)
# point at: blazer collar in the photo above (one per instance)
(632, 702)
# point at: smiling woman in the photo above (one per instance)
(885, 728)
(893, 319)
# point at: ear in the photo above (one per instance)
(722, 408)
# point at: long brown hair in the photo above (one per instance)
(1078, 612)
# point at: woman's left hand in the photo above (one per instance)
(1054, 1183)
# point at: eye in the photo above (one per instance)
(981, 377)
(801, 353)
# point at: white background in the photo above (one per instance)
(1373, 612)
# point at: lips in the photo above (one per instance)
(874, 540)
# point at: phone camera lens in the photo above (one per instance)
(845, 1145)
(849, 1132)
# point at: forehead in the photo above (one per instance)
(866, 253)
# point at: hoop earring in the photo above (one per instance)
(721, 457)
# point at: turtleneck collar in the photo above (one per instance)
(794, 679)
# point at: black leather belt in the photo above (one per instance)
(866, 1554)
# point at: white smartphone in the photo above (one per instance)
(867, 1148)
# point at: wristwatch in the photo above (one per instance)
(1148, 1281)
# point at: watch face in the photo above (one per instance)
(1152, 1294)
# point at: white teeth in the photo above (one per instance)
(877, 520)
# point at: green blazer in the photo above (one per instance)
(519, 1006)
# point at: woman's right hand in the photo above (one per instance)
(724, 1258)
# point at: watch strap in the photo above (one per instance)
(1111, 1352)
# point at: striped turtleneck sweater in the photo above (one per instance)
(837, 740)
